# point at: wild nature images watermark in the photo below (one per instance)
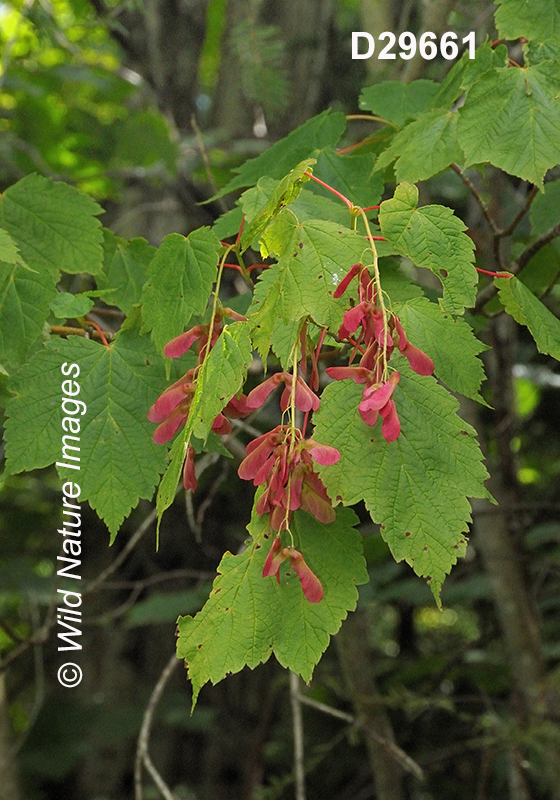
(69, 615)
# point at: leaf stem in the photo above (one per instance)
(379, 291)
(476, 194)
(373, 118)
(65, 330)
(350, 205)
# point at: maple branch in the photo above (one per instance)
(513, 225)
(476, 194)
(8, 630)
(142, 754)
(550, 286)
(490, 291)
(538, 244)
(66, 330)
(130, 545)
(205, 160)
(408, 763)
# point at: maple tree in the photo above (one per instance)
(334, 285)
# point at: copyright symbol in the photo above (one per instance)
(69, 675)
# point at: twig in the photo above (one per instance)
(490, 291)
(550, 286)
(8, 630)
(142, 754)
(476, 194)
(297, 721)
(513, 225)
(130, 545)
(393, 749)
(40, 637)
(39, 684)
(538, 244)
(203, 507)
(65, 330)
(204, 155)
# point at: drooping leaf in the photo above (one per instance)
(539, 19)
(314, 256)
(181, 275)
(69, 306)
(432, 237)
(220, 378)
(119, 462)
(170, 480)
(25, 297)
(125, 269)
(398, 102)
(416, 487)
(319, 132)
(450, 343)
(281, 195)
(222, 375)
(248, 617)
(424, 148)
(54, 225)
(523, 106)
(528, 310)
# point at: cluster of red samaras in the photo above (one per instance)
(283, 459)
(173, 406)
(377, 341)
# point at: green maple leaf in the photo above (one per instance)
(309, 139)
(248, 617)
(54, 225)
(432, 237)
(70, 306)
(537, 19)
(466, 71)
(425, 147)
(417, 487)
(353, 175)
(181, 275)
(528, 310)
(125, 269)
(450, 343)
(523, 107)
(25, 297)
(314, 256)
(119, 462)
(398, 102)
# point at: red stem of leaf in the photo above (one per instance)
(495, 274)
(99, 331)
(240, 230)
(330, 188)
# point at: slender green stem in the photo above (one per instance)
(381, 300)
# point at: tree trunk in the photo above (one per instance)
(497, 532)
(9, 784)
(357, 668)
